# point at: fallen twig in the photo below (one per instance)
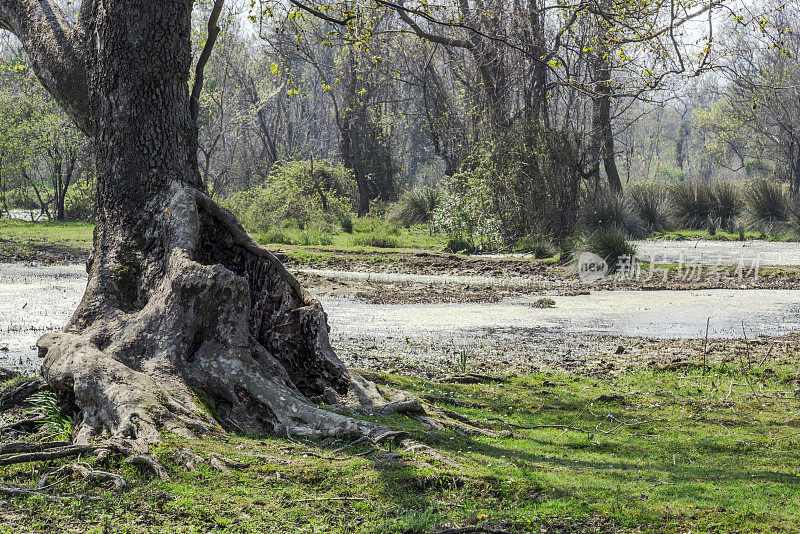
(468, 530)
(318, 499)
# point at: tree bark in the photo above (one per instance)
(187, 325)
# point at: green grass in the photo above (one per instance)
(366, 233)
(44, 241)
(693, 456)
(720, 235)
(79, 233)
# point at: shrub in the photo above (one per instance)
(295, 193)
(313, 237)
(346, 222)
(767, 205)
(649, 203)
(612, 211)
(727, 203)
(610, 244)
(526, 181)
(712, 226)
(692, 204)
(416, 206)
(794, 216)
(376, 240)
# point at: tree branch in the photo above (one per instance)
(56, 51)
(213, 32)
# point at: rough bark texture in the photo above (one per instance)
(186, 324)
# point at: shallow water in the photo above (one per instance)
(35, 299)
(720, 252)
(651, 314)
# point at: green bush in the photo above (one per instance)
(692, 203)
(22, 198)
(313, 237)
(649, 203)
(610, 244)
(416, 206)
(298, 194)
(458, 244)
(376, 240)
(275, 236)
(794, 217)
(346, 222)
(767, 205)
(524, 182)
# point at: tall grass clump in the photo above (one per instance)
(610, 244)
(377, 240)
(540, 248)
(44, 406)
(727, 204)
(768, 206)
(610, 211)
(416, 206)
(793, 223)
(692, 204)
(649, 203)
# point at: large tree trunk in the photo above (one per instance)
(184, 315)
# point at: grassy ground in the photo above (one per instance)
(57, 240)
(649, 451)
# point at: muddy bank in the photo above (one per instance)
(416, 277)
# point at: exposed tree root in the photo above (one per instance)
(145, 460)
(224, 338)
(24, 446)
(13, 395)
(112, 480)
(52, 454)
(24, 426)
